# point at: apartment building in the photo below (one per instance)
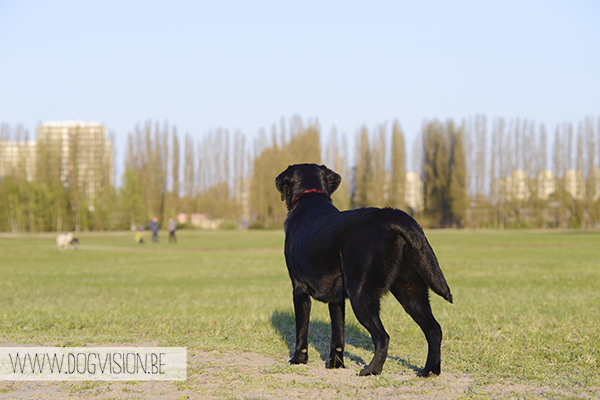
(84, 151)
(16, 157)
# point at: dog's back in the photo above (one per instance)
(401, 241)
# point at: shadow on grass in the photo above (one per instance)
(319, 335)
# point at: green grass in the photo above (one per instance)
(527, 304)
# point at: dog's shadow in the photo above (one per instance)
(319, 335)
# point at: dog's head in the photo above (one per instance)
(300, 178)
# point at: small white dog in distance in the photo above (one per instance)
(64, 240)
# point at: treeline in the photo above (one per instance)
(213, 170)
(37, 192)
(524, 176)
(505, 174)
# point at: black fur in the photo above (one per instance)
(359, 254)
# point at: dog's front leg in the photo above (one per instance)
(336, 354)
(302, 310)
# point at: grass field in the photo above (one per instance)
(526, 312)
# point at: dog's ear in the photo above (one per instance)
(282, 182)
(333, 180)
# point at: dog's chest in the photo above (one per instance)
(313, 261)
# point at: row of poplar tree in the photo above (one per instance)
(467, 174)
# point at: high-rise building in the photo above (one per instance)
(17, 156)
(84, 153)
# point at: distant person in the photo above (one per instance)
(153, 226)
(172, 227)
(138, 238)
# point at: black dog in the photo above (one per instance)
(360, 255)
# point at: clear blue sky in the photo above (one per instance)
(245, 65)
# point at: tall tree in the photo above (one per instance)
(336, 158)
(495, 158)
(175, 170)
(558, 161)
(362, 169)
(189, 174)
(579, 203)
(240, 179)
(445, 174)
(214, 176)
(592, 174)
(398, 175)
(530, 169)
(417, 153)
(476, 135)
(149, 156)
(541, 180)
(73, 181)
(378, 186)
(458, 176)
(436, 174)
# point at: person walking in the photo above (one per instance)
(153, 225)
(172, 227)
(138, 237)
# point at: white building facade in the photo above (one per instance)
(16, 157)
(85, 152)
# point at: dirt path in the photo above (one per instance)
(213, 375)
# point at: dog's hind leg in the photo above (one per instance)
(302, 305)
(366, 309)
(336, 354)
(414, 297)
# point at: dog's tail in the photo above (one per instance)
(425, 260)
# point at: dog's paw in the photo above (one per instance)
(369, 371)
(424, 373)
(299, 358)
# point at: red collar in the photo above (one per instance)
(305, 192)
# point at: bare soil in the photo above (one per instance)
(215, 375)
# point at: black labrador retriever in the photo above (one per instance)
(361, 255)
